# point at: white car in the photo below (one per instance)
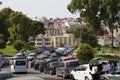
(112, 76)
(19, 65)
(81, 72)
(31, 56)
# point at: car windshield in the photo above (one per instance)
(20, 63)
(72, 64)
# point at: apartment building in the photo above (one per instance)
(64, 40)
(42, 40)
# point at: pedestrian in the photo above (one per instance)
(94, 72)
(106, 68)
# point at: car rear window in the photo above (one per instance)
(20, 63)
(54, 64)
(72, 64)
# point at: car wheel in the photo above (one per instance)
(72, 77)
(86, 78)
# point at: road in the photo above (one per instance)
(32, 72)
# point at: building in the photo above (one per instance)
(42, 40)
(64, 40)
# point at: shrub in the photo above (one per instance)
(85, 53)
(2, 44)
(18, 45)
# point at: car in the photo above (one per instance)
(37, 62)
(19, 65)
(45, 54)
(64, 67)
(51, 67)
(18, 55)
(63, 50)
(112, 76)
(81, 72)
(31, 56)
(53, 55)
(42, 65)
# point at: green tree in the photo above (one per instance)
(20, 26)
(85, 53)
(4, 23)
(2, 44)
(97, 12)
(37, 28)
(85, 35)
(18, 45)
(77, 34)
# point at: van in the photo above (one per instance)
(65, 67)
(19, 65)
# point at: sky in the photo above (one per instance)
(40, 8)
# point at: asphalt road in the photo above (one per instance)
(32, 72)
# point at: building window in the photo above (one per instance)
(47, 39)
(39, 43)
(39, 39)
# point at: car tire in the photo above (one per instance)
(72, 77)
(86, 78)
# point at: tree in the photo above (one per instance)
(20, 27)
(85, 35)
(97, 12)
(37, 28)
(18, 45)
(85, 53)
(4, 23)
(2, 44)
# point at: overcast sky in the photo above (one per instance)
(40, 8)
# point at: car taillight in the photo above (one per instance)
(66, 70)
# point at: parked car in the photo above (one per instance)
(42, 65)
(2, 61)
(6, 61)
(51, 49)
(53, 55)
(19, 65)
(45, 54)
(70, 49)
(18, 55)
(37, 62)
(82, 72)
(31, 56)
(64, 67)
(51, 68)
(112, 76)
(62, 50)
